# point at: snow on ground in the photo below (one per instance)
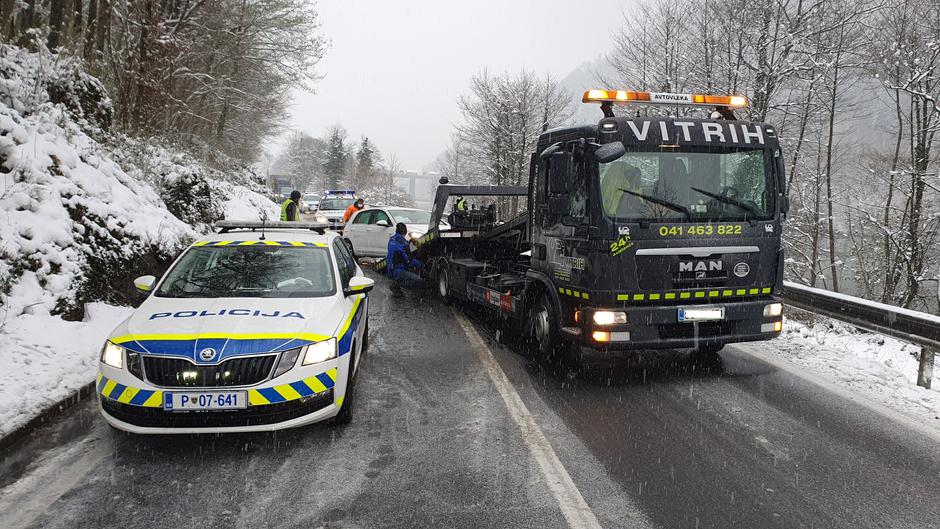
(879, 368)
(241, 203)
(44, 359)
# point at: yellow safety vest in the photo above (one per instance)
(284, 206)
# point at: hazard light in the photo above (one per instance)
(660, 98)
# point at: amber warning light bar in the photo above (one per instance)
(658, 98)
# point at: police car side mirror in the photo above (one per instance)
(609, 152)
(358, 285)
(144, 284)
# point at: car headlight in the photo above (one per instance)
(320, 352)
(113, 355)
(609, 317)
(773, 310)
(320, 218)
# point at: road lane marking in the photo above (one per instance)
(575, 510)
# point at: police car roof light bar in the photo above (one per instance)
(225, 226)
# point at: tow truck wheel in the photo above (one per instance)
(443, 287)
(543, 332)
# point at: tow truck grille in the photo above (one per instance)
(180, 373)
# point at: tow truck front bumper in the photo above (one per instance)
(658, 327)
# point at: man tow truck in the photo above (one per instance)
(639, 233)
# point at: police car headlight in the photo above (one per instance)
(609, 317)
(320, 352)
(113, 355)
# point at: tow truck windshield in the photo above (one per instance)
(706, 184)
(252, 272)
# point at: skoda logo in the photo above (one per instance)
(742, 269)
(207, 354)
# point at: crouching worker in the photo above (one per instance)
(401, 267)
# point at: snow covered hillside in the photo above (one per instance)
(84, 210)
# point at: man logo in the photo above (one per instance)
(700, 266)
(742, 269)
(207, 354)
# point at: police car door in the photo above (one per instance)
(347, 269)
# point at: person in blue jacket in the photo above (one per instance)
(401, 267)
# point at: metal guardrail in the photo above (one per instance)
(908, 325)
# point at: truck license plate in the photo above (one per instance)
(215, 400)
(701, 313)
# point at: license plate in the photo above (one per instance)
(701, 313)
(215, 400)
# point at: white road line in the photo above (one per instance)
(576, 511)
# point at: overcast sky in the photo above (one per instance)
(395, 68)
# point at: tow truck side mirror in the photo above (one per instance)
(559, 173)
(144, 284)
(609, 152)
(784, 204)
(358, 285)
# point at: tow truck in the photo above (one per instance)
(644, 232)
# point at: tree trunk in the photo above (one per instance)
(104, 26)
(56, 13)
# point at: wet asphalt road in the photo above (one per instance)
(648, 442)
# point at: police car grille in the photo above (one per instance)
(176, 372)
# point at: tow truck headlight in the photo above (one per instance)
(113, 355)
(320, 352)
(609, 317)
(773, 310)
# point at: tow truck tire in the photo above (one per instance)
(443, 283)
(543, 330)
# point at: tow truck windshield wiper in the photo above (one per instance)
(728, 200)
(662, 202)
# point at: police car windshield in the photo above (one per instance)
(694, 184)
(328, 204)
(256, 271)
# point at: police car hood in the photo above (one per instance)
(210, 330)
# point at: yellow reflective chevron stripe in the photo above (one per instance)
(307, 387)
(264, 242)
(110, 389)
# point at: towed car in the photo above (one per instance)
(369, 230)
(247, 331)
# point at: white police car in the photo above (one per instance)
(249, 330)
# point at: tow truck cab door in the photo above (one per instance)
(559, 212)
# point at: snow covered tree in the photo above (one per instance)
(335, 158)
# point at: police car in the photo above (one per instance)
(259, 327)
(333, 205)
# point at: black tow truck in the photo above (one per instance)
(638, 233)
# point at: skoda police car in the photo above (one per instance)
(259, 327)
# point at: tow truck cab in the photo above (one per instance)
(658, 232)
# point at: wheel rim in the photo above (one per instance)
(442, 283)
(540, 326)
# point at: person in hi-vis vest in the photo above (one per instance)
(290, 209)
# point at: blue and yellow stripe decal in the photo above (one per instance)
(261, 243)
(349, 326)
(307, 387)
(229, 345)
(146, 398)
